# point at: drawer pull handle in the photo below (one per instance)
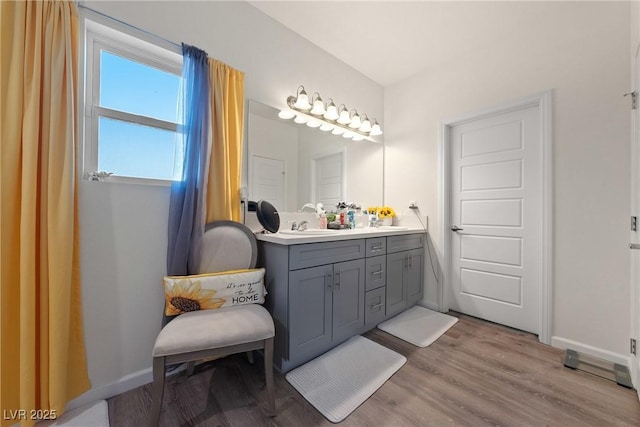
(373, 307)
(329, 281)
(375, 273)
(337, 281)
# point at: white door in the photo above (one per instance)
(268, 181)
(634, 237)
(496, 202)
(329, 179)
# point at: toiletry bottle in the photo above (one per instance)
(341, 217)
(361, 219)
(352, 219)
(372, 220)
(322, 222)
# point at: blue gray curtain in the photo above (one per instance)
(186, 211)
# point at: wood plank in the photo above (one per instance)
(477, 374)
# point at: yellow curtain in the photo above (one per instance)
(227, 122)
(42, 354)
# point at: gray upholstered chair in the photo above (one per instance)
(195, 335)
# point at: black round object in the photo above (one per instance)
(268, 216)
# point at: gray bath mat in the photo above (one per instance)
(339, 381)
(418, 325)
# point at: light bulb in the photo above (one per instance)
(355, 121)
(375, 129)
(286, 115)
(326, 127)
(366, 125)
(302, 100)
(344, 118)
(358, 137)
(301, 119)
(332, 111)
(337, 131)
(348, 134)
(318, 105)
(313, 123)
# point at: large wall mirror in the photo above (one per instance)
(291, 165)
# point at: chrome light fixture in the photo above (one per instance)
(302, 99)
(318, 105)
(327, 117)
(375, 128)
(332, 111)
(355, 122)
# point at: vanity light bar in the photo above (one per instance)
(316, 113)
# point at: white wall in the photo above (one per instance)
(123, 227)
(581, 50)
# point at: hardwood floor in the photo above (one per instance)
(477, 374)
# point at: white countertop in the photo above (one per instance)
(299, 237)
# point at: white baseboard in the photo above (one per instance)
(610, 356)
(106, 391)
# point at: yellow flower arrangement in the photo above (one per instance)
(187, 296)
(382, 211)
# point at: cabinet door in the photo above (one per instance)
(310, 325)
(396, 299)
(348, 299)
(413, 276)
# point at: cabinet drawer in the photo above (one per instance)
(376, 246)
(404, 242)
(374, 306)
(313, 254)
(376, 275)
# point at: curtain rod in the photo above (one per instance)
(177, 46)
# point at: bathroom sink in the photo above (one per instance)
(310, 231)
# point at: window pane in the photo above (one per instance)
(134, 150)
(136, 88)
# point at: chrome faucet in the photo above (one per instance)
(308, 205)
(298, 227)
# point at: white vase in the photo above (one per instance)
(386, 221)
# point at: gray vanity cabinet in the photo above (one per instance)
(405, 257)
(326, 305)
(321, 294)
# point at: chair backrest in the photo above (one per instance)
(227, 245)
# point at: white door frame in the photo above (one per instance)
(634, 361)
(543, 100)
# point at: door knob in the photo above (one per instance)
(456, 228)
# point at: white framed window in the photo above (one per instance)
(131, 95)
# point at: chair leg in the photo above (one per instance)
(268, 375)
(157, 390)
(191, 366)
(250, 357)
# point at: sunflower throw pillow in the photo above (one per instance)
(215, 290)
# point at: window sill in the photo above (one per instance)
(131, 180)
